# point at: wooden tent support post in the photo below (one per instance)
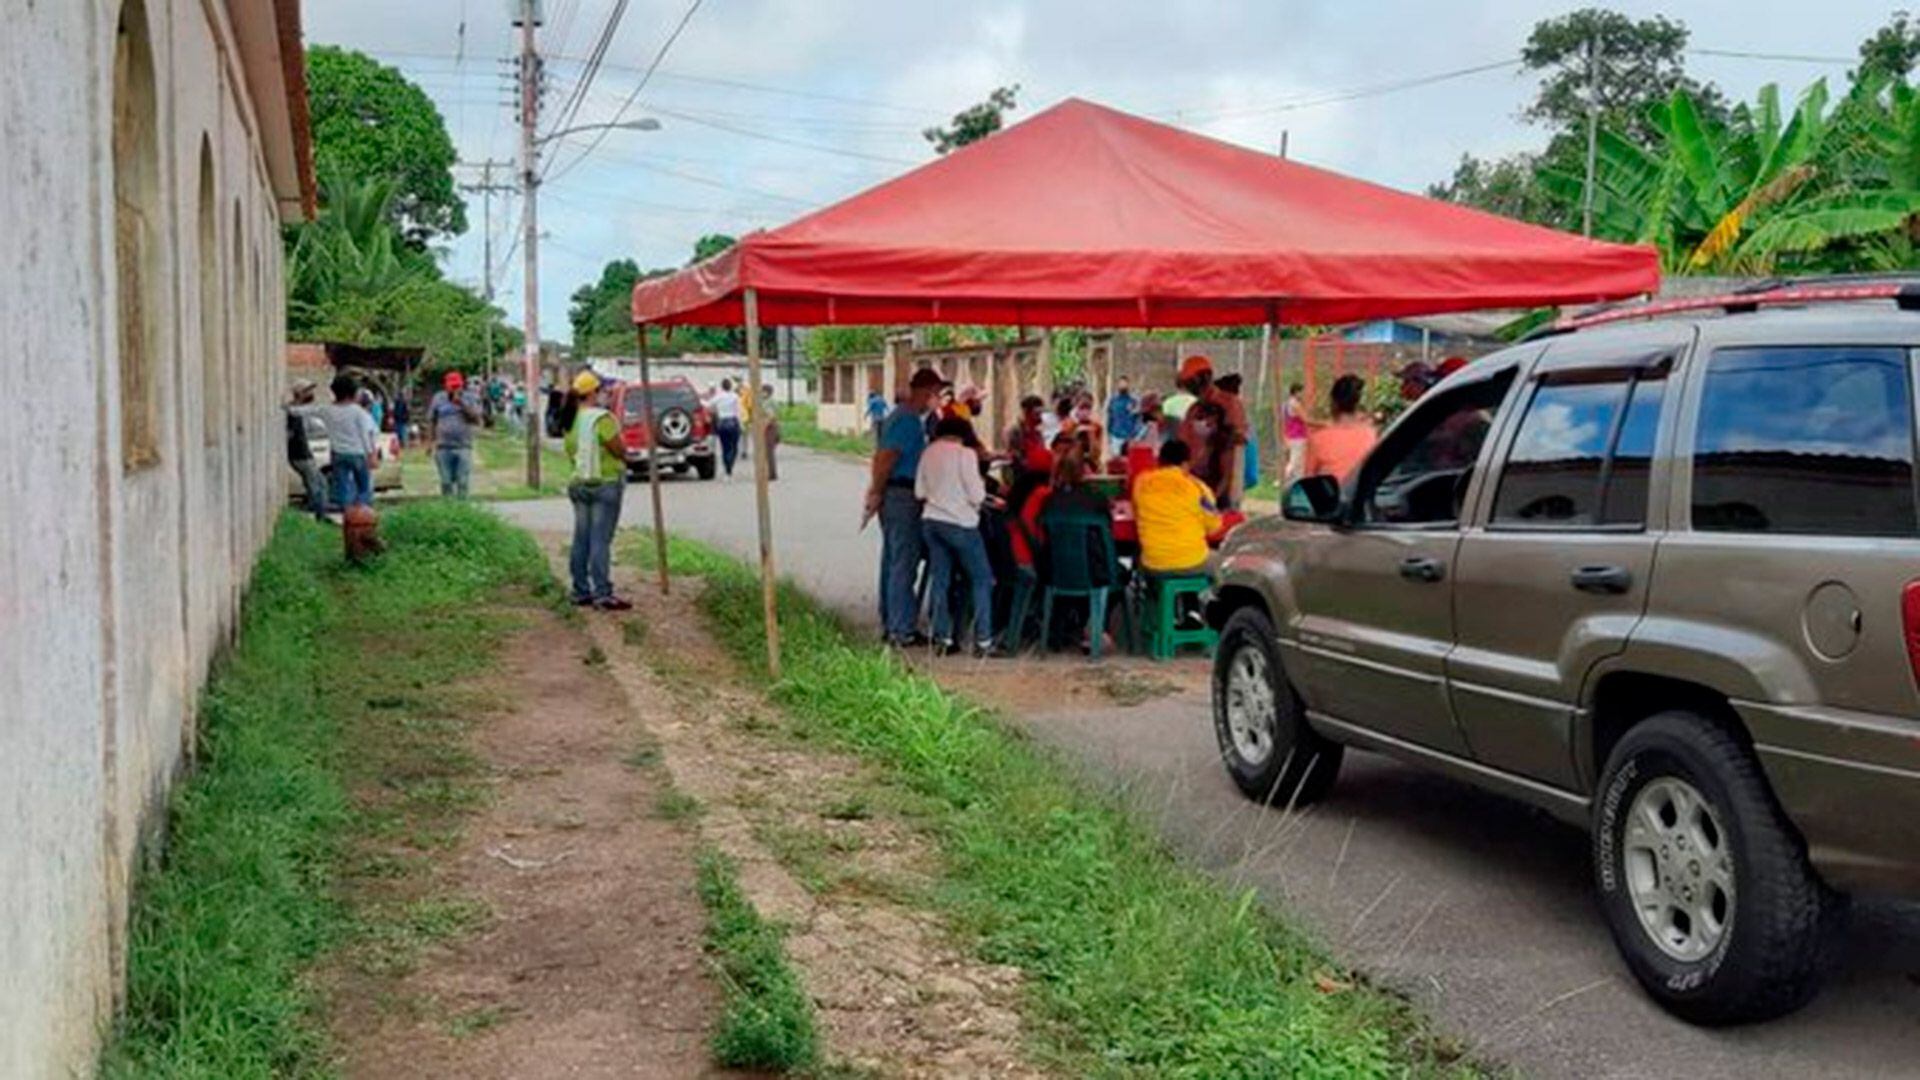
(653, 467)
(1270, 361)
(768, 592)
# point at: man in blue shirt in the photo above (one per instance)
(876, 413)
(1123, 418)
(903, 436)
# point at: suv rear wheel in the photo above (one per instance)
(1705, 885)
(1271, 753)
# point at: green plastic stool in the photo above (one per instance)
(1081, 562)
(1164, 591)
(1015, 635)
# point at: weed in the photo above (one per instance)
(1130, 688)
(766, 1021)
(633, 631)
(474, 1021)
(223, 931)
(1135, 965)
(595, 658)
(642, 757)
(675, 806)
(391, 938)
(852, 808)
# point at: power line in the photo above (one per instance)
(1796, 58)
(571, 107)
(1336, 96)
(823, 148)
(645, 77)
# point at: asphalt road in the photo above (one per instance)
(1477, 907)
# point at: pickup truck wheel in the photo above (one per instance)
(703, 467)
(1705, 884)
(1271, 753)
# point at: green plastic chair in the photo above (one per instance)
(1082, 562)
(1162, 593)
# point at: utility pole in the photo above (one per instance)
(530, 78)
(486, 188)
(1593, 142)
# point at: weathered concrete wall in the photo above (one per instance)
(119, 578)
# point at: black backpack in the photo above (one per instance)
(562, 407)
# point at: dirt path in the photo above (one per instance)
(821, 848)
(558, 933)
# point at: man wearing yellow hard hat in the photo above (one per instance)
(597, 486)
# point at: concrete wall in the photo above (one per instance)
(120, 572)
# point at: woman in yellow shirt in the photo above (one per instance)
(1174, 513)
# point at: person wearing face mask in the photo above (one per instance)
(1222, 428)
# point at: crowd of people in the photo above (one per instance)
(958, 510)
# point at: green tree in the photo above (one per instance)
(710, 245)
(1625, 67)
(1504, 186)
(1765, 191)
(1892, 50)
(975, 122)
(601, 311)
(369, 121)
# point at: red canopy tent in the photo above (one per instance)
(1085, 216)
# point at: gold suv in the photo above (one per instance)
(1661, 578)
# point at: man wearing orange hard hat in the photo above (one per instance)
(1216, 436)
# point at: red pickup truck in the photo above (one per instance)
(684, 429)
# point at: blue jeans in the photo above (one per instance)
(352, 481)
(596, 514)
(729, 432)
(900, 551)
(948, 544)
(456, 469)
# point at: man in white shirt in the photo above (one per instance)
(725, 407)
(948, 482)
(352, 437)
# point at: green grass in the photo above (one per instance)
(225, 933)
(766, 1019)
(1135, 965)
(799, 426)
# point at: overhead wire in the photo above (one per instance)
(571, 107)
(645, 77)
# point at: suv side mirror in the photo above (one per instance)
(1313, 499)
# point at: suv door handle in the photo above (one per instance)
(1422, 568)
(1603, 579)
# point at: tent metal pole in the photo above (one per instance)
(768, 592)
(653, 465)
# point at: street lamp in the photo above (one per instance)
(645, 123)
(530, 144)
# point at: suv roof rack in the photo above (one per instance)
(1904, 290)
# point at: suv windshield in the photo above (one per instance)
(665, 396)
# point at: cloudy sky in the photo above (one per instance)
(770, 107)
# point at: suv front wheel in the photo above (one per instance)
(1705, 885)
(1271, 753)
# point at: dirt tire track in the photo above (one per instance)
(895, 996)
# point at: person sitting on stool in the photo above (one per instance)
(1174, 513)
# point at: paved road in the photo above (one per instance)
(1477, 907)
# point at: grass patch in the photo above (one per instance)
(800, 426)
(766, 1021)
(1135, 965)
(224, 932)
(673, 805)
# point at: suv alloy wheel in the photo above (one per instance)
(1704, 884)
(1271, 753)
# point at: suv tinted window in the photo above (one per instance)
(1419, 476)
(1806, 440)
(1559, 472)
(665, 396)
